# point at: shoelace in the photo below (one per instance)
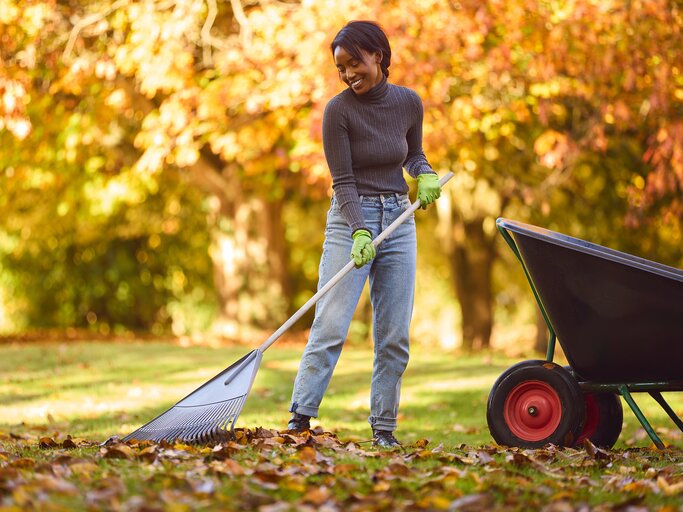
(300, 422)
(386, 436)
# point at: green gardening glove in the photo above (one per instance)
(362, 251)
(428, 189)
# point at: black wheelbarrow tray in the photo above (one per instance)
(619, 321)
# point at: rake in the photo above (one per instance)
(209, 413)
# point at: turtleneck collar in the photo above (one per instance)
(376, 93)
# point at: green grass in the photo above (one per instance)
(94, 390)
(100, 389)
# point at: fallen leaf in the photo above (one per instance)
(83, 468)
(399, 469)
(308, 454)
(669, 489)
(470, 502)
(227, 467)
(47, 442)
(23, 463)
(117, 451)
(317, 496)
(225, 451)
(261, 433)
(69, 444)
(517, 459)
(56, 485)
(21, 496)
(382, 486)
(595, 452)
(148, 454)
(421, 443)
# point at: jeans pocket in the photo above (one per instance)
(334, 207)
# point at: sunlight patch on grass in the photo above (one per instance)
(454, 384)
(291, 365)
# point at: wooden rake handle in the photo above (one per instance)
(345, 270)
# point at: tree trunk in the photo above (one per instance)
(249, 252)
(472, 263)
(228, 224)
(278, 254)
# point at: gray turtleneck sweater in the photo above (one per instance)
(368, 139)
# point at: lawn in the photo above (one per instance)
(59, 401)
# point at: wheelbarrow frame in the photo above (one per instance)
(624, 389)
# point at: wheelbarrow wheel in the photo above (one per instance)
(604, 418)
(534, 403)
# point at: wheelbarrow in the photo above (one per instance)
(619, 321)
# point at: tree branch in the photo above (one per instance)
(89, 20)
(207, 39)
(245, 29)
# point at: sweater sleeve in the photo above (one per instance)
(416, 162)
(338, 155)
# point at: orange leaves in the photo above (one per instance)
(13, 99)
(160, 45)
(553, 149)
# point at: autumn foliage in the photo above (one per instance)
(564, 112)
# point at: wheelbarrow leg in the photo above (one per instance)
(660, 400)
(550, 353)
(623, 390)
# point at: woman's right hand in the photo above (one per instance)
(362, 252)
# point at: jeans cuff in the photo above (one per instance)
(304, 409)
(379, 423)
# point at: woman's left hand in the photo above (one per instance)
(428, 189)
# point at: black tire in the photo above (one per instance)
(534, 403)
(604, 418)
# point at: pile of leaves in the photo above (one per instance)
(269, 471)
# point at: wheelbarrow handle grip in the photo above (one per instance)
(345, 270)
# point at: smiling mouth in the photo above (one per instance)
(355, 84)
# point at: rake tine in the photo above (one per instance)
(171, 435)
(205, 435)
(235, 408)
(215, 433)
(193, 423)
(195, 433)
(206, 419)
(220, 421)
(218, 413)
(195, 418)
(190, 433)
(163, 421)
(196, 422)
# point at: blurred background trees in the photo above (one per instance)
(161, 165)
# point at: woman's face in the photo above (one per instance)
(361, 75)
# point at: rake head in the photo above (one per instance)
(208, 414)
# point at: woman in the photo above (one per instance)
(371, 131)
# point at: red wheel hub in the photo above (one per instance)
(532, 410)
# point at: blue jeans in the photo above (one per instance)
(392, 288)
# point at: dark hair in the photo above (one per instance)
(364, 35)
